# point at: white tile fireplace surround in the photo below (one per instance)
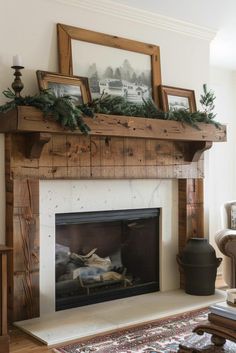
(98, 195)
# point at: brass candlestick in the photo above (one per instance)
(17, 84)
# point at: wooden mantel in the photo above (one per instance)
(117, 147)
(39, 131)
(29, 119)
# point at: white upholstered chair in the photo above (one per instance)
(226, 242)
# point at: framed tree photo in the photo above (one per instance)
(63, 85)
(174, 98)
(113, 65)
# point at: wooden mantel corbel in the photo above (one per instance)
(35, 144)
(196, 148)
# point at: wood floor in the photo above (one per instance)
(23, 343)
(20, 342)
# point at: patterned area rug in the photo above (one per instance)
(160, 336)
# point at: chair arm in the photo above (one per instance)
(223, 237)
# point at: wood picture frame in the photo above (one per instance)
(64, 85)
(75, 44)
(173, 98)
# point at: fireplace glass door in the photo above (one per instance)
(106, 255)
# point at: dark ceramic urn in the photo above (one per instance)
(199, 263)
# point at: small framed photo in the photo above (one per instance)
(173, 98)
(62, 85)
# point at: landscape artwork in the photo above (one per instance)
(113, 71)
(177, 102)
(61, 90)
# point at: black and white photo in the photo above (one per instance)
(114, 66)
(77, 88)
(113, 71)
(177, 102)
(62, 90)
(175, 98)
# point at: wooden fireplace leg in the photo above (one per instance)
(4, 338)
(23, 268)
(191, 217)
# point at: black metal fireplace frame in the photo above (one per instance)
(109, 216)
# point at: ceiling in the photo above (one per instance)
(214, 14)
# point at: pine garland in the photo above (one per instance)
(107, 104)
(63, 110)
(118, 105)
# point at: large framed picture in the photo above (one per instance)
(174, 98)
(113, 65)
(62, 85)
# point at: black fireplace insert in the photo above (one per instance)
(106, 255)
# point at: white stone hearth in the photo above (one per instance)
(67, 325)
(97, 195)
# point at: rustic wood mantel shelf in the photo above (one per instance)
(39, 130)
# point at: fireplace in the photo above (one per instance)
(106, 255)
(156, 163)
(62, 198)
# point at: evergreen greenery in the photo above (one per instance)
(120, 106)
(207, 102)
(63, 110)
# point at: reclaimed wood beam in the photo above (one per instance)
(29, 119)
(191, 213)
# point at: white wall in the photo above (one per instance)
(221, 176)
(28, 28)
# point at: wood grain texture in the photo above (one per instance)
(4, 253)
(98, 157)
(4, 287)
(22, 235)
(4, 338)
(191, 213)
(69, 155)
(222, 321)
(190, 209)
(29, 119)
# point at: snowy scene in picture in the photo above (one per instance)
(176, 102)
(60, 90)
(113, 71)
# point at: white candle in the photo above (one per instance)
(17, 60)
